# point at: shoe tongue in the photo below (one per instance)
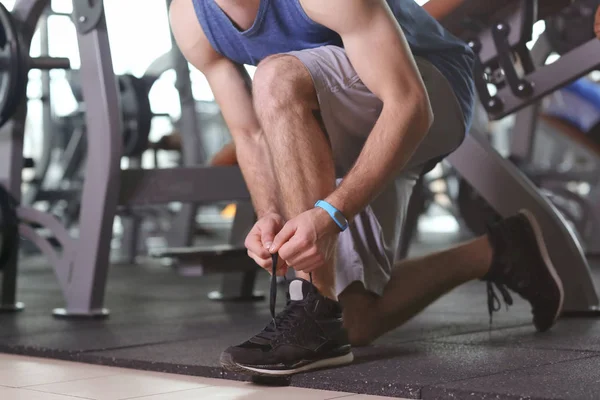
(299, 289)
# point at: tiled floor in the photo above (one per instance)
(25, 378)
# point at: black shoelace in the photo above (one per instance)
(283, 322)
(494, 303)
(283, 318)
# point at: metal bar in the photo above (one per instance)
(245, 217)
(74, 155)
(88, 268)
(54, 195)
(46, 248)
(552, 77)
(43, 63)
(11, 164)
(11, 152)
(592, 237)
(131, 223)
(541, 50)
(523, 134)
(493, 177)
(130, 239)
(48, 63)
(240, 284)
(48, 125)
(522, 137)
(189, 184)
(37, 217)
(8, 300)
(53, 13)
(212, 261)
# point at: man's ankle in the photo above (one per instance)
(325, 289)
(475, 258)
(329, 293)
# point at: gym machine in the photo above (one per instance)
(81, 263)
(557, 156)
(565, 31)
(498, 49)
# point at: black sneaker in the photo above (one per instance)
(308, 334)
(521, 263)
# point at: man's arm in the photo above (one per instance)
(231, 87)
(381, 56)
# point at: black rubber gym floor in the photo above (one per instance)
(164, 322)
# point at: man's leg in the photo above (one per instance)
(286, 104)
(414, 284)
(511, 256)
(308, 333)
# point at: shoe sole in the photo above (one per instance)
(230, 365)
(537, 231)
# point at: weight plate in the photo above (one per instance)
(9, 227)
(136, 115)
(13, 67)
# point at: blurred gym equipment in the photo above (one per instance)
(81, 263)
(505, 62)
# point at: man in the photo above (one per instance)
(351, 102)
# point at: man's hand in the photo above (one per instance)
(260, 239)
(307, 242)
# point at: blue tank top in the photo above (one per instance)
(282, 26)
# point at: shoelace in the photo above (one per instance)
(494, 303)
(284, 321)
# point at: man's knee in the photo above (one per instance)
(280, 82)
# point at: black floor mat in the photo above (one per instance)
(164, 322)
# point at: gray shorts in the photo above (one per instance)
(368, 250)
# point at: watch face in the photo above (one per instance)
(339, 217)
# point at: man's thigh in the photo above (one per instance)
(349, 110)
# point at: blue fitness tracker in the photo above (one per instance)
(334, 213)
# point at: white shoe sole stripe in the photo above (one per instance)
(326, 363)
(537, 230)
